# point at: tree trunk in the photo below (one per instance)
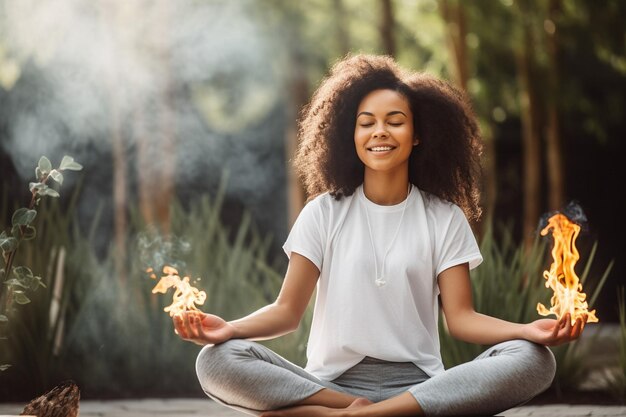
(120, 198)
(154, 132)
(111, 19)
(166, 121)
(490, 184)
(341, 27)
(453, 14)
(554, 151)
(299, 93)
(297, 97)
(145, 135)
(531, 172)
(145, 164)
(386, 28)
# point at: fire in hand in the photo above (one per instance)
(185, 296)
(568, 297)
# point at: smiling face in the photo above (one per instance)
(384, 134)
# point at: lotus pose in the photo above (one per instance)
(390, 160)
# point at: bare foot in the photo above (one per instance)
(314, 410)
(360, 402)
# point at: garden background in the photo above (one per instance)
(183, 115)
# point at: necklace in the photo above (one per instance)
(380, 278)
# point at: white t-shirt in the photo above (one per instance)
(353, 316)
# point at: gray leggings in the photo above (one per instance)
(251, 378)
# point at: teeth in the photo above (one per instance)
(382, 148)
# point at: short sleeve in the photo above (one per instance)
(306, 236)
(456, 244)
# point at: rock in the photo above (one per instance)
(60, 401)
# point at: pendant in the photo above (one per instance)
(380, 281)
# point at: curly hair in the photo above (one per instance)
(446, 163)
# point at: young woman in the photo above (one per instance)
(392, 160)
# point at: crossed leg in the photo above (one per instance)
(251, 378)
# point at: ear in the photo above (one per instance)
(416, 142)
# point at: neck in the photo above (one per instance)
(386, 189)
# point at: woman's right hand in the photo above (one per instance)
(201, 328)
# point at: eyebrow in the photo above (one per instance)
(391, 113)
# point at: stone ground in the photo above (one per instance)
(201, 407)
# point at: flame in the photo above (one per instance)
(568, 296)
(185, 297)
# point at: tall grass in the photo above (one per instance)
(115, 340)
(617, 380)
(113, 337)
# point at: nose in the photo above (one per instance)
(380, 133)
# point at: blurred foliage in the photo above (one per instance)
(34, 326)
(16, 282)
(113, 338)
(103, 331)
(508, 285)
(617, 380)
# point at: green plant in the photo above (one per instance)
(126, 324)
(20, 279)
(37, 332)
(109, 331)
(617, 380)
(509, 284)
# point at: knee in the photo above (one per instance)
(215, 363)
(539, 362)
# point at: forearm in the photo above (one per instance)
(478, 328)
(266, 323)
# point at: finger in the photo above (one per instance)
(193, 326)
(578, 327)
(557, 326)
(567, 321)
(566, 331)
(557, 335)
(198, 328)
(179, 327)
(186, 331)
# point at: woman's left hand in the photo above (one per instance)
(552, 332)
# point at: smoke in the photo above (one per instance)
(157, 250)
(573, 211)
(206, 73)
